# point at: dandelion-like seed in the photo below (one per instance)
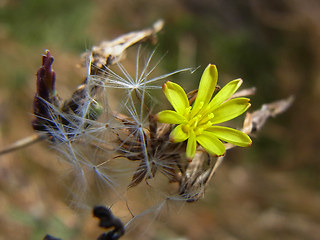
(139, 84)
(98, 141)
(139, 140)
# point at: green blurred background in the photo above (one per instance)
(269, 191)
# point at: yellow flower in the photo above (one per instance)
(197, 123)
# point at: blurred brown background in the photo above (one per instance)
(269, 191)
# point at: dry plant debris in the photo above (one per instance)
(98, 141)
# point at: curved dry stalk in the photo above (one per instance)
(27, 141)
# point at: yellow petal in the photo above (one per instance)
(191, 146)
(176, 96)
(211, 143)
(207, 86)
(225, 93)
(231, 135)
(230, 109)
(178, 135)
(169, 116)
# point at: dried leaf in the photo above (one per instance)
(245, 92)
(254, 121)
(197, 176)
(109, 52)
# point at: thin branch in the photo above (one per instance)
(37, 137)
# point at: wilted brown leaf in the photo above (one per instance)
(254, 121)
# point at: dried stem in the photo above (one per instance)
(37, 137)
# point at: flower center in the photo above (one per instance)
(198, 123)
